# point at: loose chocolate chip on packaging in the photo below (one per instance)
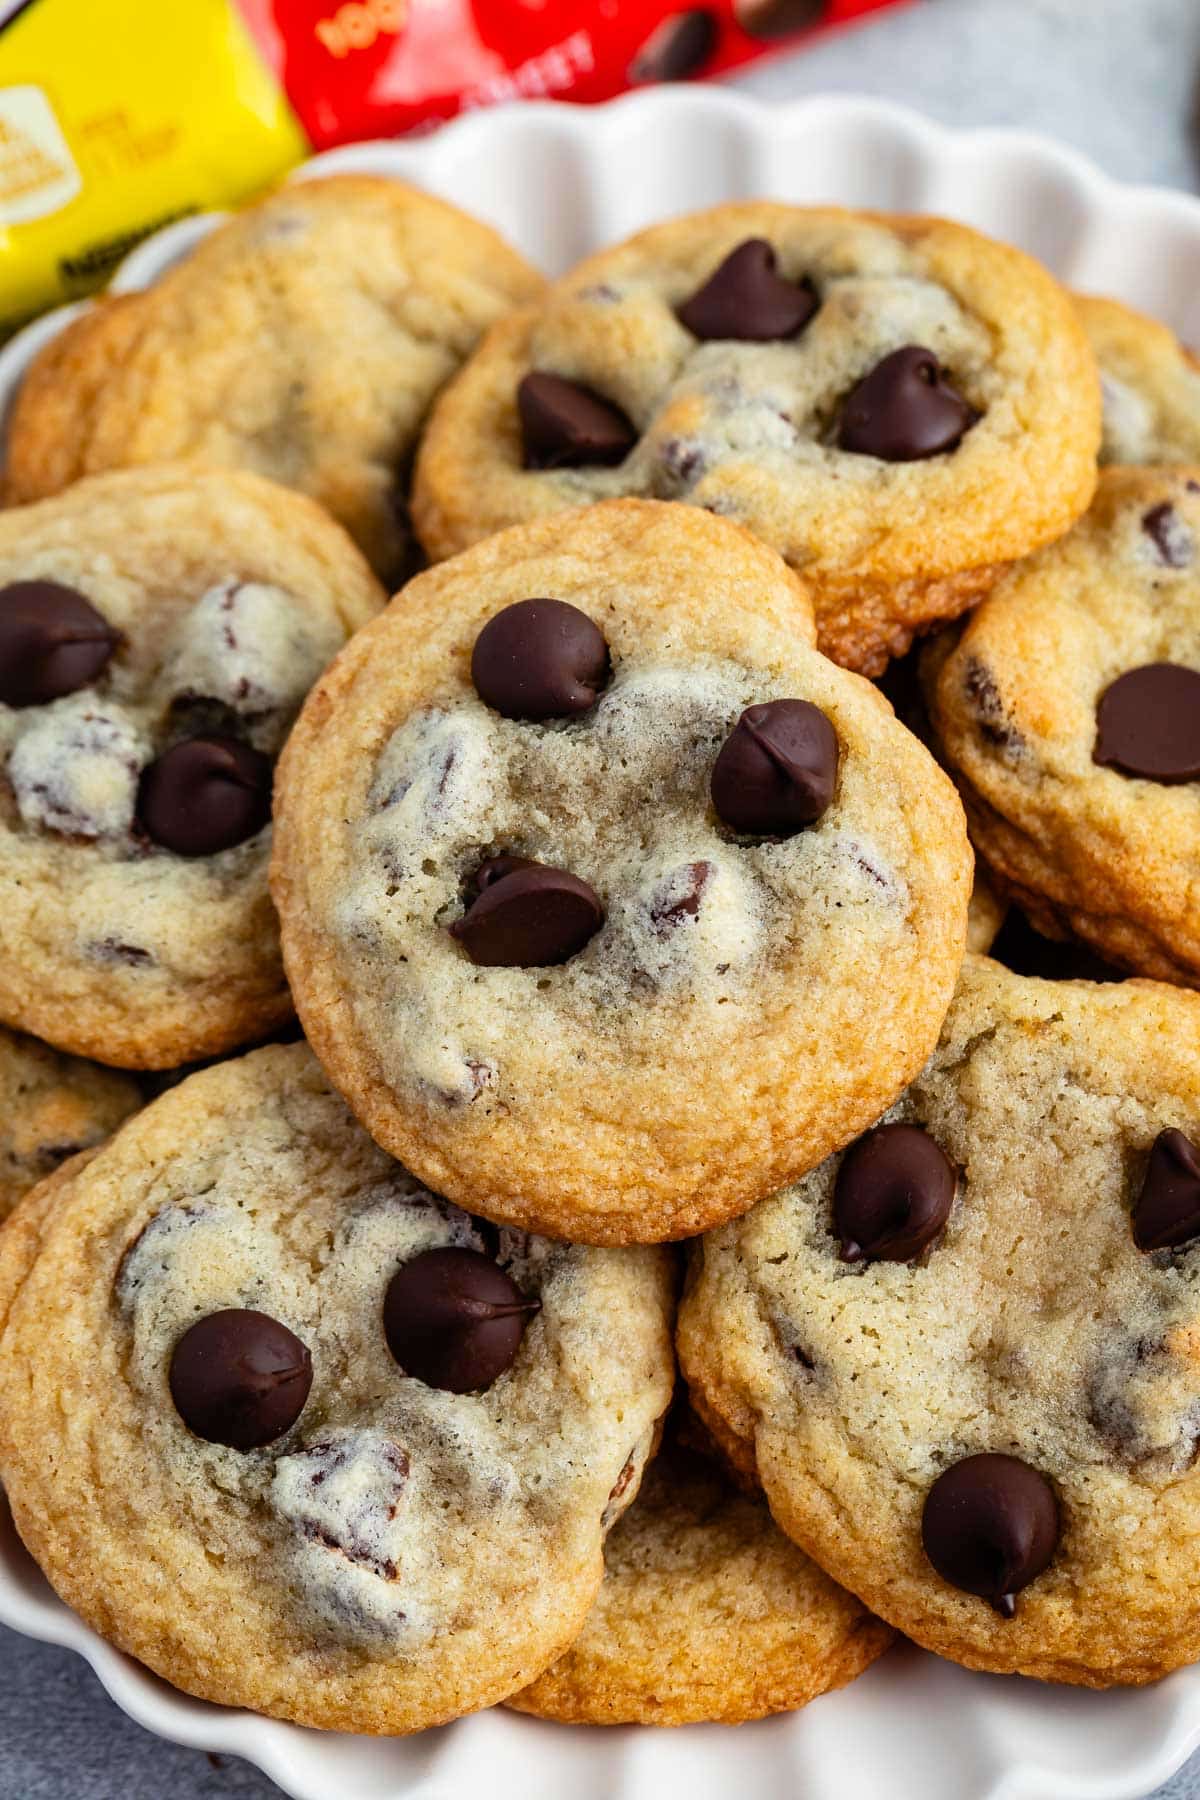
(679, 46)
(1166, 1213)
(454, 1319)
(539, 659)
(775, 18)
(204, 795)
(1148, 724)
(527, 917)
(240, 1378)
(777, 769)
(52, 642)
(904, 409)
(567, 426)
(990, 1526)
(746, 298)
(1170, 536)
(893, 1194)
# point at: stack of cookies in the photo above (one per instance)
(340, 1378)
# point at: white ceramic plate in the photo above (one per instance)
(560, 181)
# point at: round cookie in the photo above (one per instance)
(706, 1613)
(52, 1107)
(1150, 382)
(896, 404)
(862, 1349)
(1067, 710)
(304, 340)
(158, 631)
(672, 1013)
(217, 1459)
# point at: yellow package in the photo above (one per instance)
(115, 118)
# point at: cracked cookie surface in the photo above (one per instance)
(727, 1020)
(753, 427)
(394, 1553)
(303, 340)
(1030, 1326)
(707, 1612)
(195, 608)
(1089, 847)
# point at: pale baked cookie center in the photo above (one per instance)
(578, 866)
(800, 366)
(334, 1382)
(163, 746)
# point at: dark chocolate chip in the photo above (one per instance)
(679, 46)
(495, 868)
(667, 914)
(746, 298)
(566, 426)
(1148, 724)
(990, 1526)
(527, 917)
(904, 409)
(240, 1378)
(776, 18)
(893, 1194)
(980, 687)
(52, 642)
(1166, 1212)
(539, 659)
(203, 795)
(454, 1320)
(1169, 535)
(777, 770)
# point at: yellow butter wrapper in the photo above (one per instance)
(117, 117)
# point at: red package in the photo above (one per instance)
(357, 69)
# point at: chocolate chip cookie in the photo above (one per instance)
(303, 1436)
(52, 1107)
(303, 340)
(964, 1356)
(607, 901)
(706, 1612)
(158, 631)
(1150, 382)
(898, 405)
(1069, 711)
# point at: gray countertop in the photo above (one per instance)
(1120, 79)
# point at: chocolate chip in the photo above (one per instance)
(454, 1320)
(1169, 535)
(775, 18)
(240, 1378)
(746, 298)
(666, 914)
(1148, 724)
(539, 659)
(904, 410)
(990, 1526)
(893, 1194)
(1166, 1212)
(565, 425)
(52, 642)
(979, 685)
(204, 795)
(678, 46)
(777, 770)
(527, 917)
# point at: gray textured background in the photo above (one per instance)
(1120, 79)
